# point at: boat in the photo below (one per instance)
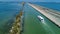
(40, 18)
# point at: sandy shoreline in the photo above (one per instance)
(53, 16)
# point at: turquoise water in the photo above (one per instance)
(8, 11)
(32, 25)
(51, 5)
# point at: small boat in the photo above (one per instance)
(41, 18)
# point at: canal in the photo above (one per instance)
(32, 25)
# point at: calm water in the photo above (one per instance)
(8, 11)
(32, 24)
(51, 5)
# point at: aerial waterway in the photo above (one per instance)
(32, 24)
(27, 21)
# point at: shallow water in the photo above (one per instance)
(33, 25)
(8, 12)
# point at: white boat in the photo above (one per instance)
(41, 18)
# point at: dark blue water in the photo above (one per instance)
(51, 5)
(8, 12)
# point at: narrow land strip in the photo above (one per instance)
(51, 14)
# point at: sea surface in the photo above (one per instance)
(51, 5)
(8, 12)
(33, 25)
